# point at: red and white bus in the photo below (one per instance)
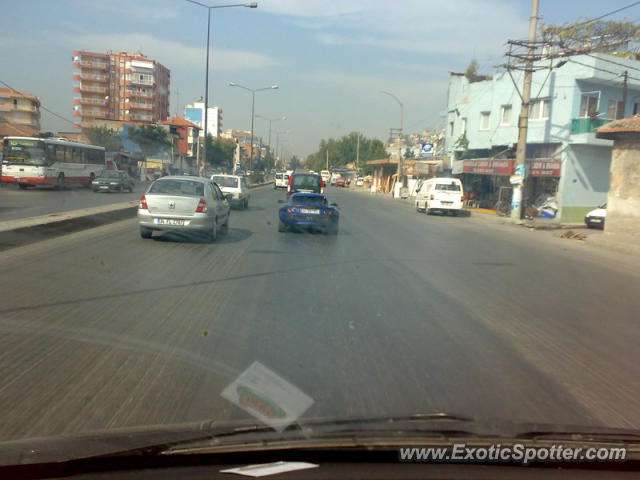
(30, 161)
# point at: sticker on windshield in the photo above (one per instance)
(267, 396)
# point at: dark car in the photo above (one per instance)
(113, 181)
(310, 211)
(305, 183)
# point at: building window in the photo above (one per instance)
(589, 106)
(485, 117)
(505, 115)
(451, 129)
(463, 126)
(636, 108)
(615, 109)
(539, 110)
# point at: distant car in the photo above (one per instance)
(185, 204)
(310, 211)
(340, 182)
(595, 218)
(282, 180)
(236, 186)
(359, 181)
(113, 181)
(305, 183)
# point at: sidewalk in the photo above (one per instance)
(570, 231)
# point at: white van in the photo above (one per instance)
(326, 176)
(441, 194)
(282, 180)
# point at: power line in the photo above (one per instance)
(603, 70)
(611, 61)
(606, 14)
(41, 106)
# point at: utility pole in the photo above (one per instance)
(327, 159)
(523, 120)
(358, 152)
(625, 90)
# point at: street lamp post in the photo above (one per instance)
(285, 132)
(253, 105)
(270, 120)
(206, 76)
(399, 171)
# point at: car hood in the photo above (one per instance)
(598, 212)
(227, 434)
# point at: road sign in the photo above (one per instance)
(426, 150)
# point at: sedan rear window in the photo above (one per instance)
(178, 187)
(306, 181)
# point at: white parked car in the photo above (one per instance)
(595, 218)
(236, 186)
(439, 194)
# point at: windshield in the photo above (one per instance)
(111, 174)
(24, 151)
(177, 187)
(157, 267)
(308, 200)
(230, 182)
(452, 187)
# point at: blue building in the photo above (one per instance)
(564, 157)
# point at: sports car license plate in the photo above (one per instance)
(310, 211)
(168, 221)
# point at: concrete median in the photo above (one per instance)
(23, 231)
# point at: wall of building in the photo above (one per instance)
(623, 204)
(584, 182)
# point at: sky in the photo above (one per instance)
(330, 58)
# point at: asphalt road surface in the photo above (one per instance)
(33, 202)
(400, 313)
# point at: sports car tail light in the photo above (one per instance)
(202, 206)
(292, 210)
(143, 203)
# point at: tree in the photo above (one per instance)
(343, 151)
(408, 153)
(151, 139)
(103, 137)
(294, 163)
(471, 73)
(591, 35)
(220, 151)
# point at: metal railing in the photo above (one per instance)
(586, 125)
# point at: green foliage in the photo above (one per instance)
(462, 144)
(471, 73)
(294, 163)
(342, 151)
(220, 151)
(151, 139)
(592, 34)
(104, 137)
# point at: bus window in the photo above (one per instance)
(50, 153)
(60, 153)
(78, 155)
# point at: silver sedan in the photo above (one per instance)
(188, 204)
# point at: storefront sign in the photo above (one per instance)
(488, 167)
(544, 167)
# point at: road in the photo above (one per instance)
(33, 202)
(399, 313)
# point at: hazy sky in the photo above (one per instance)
(330, 58)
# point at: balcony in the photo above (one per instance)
(586, 125)
(141, 117)
(91, 88)
(141, 106)
(91, 65)
(93, 113)
(133, 94)
(93, 77)
(92, 101)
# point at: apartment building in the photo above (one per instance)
(194, 112)
(564, 157)
(123, 86)
(19, 113)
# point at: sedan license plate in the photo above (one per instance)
(446, 203)
(169, 221)
(310, 211)
(595, 220)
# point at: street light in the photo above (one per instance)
(253, 105)
(399, 171)
(271, 120)
(206, 76)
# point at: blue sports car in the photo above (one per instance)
(310, 211)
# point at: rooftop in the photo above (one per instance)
(623, 125)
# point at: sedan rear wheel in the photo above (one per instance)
(213, 235)
(146, 232)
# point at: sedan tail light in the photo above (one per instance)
(143, 203)
(432, 197)
(202, 206)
